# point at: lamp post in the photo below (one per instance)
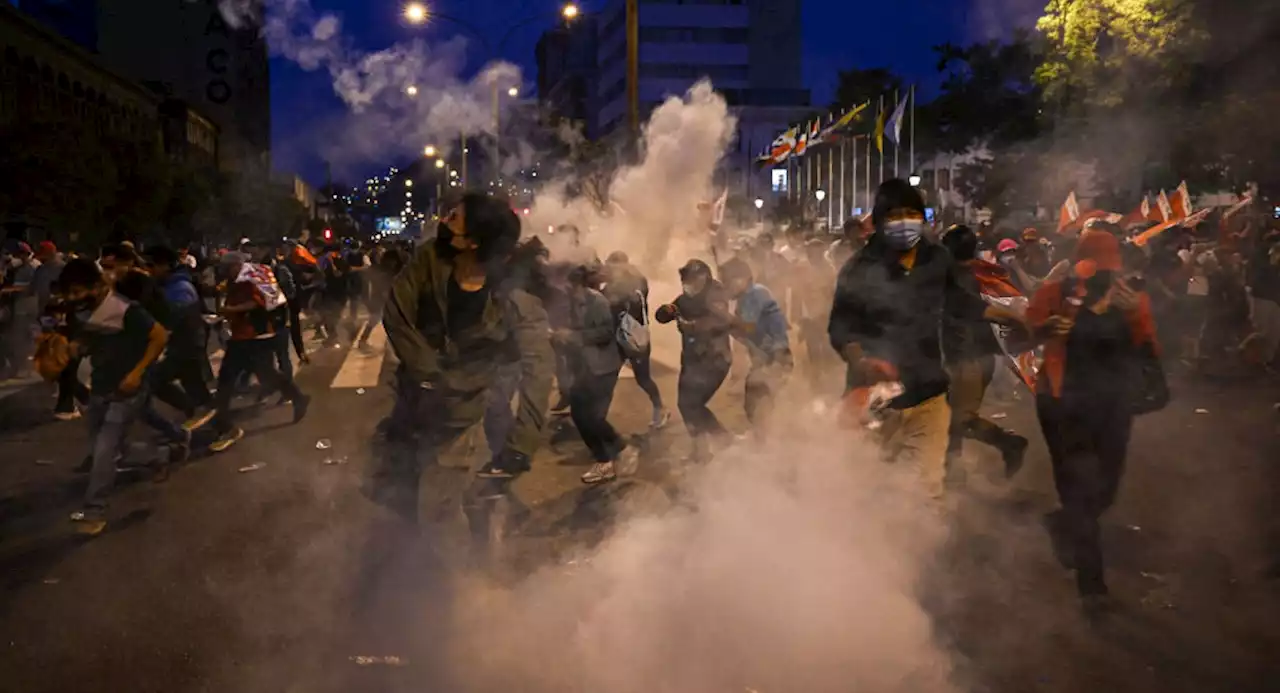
(914, 179)
(821, 195)
(759, 211)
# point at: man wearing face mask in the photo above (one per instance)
(889, 304)
(453, 323)
(702, 314)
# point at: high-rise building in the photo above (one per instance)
(75, 20)
(187, 49)
(750, 49)
(566, 58)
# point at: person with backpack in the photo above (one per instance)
(760, 324)
(628, 292)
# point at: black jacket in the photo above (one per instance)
(896, 315)
(706, 339)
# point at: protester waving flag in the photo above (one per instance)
(997, 289)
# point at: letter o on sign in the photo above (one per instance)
(218, 91)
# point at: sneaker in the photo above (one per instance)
(67, 415)
(227, 439)
(87, 525)
(179, 451)
(300, 406)
(504, 466)
(201, 419)
(1014, 455)
(599, 473)
(628, 461)
(661, 417)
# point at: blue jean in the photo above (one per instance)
(109, 421)
(498, 417)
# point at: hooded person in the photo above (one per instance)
(1100, 352)
(702, 315)
(889, 306)
(971, 351)
(453, 322)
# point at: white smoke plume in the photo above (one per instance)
(790, 567)
(652, 212)
(385, 121)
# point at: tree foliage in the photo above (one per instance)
(854, 87)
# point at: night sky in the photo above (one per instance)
(838, 34)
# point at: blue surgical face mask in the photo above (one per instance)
(903, 234)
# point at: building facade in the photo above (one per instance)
(749, 49)
(186, 49)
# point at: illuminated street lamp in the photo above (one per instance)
(429, 150)
(914, 180)
(570, 11)
(759, 213)
(439, 163)
(513, 92)
(759, 203)
(411, 90)
(408, 184)
(820, 194)
(416, 13)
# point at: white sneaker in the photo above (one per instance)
(628, 461)
(599, 473)
(661, 417)
(67, 415)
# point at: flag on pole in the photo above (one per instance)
(894, 126)
(1235, 208)
(717, 209)
(781, 149)
(1069, 213)
(844, 121)
(1141, 214)
(1180, 203)
(815, 133)
(1189, 222)
(1163, 209)
(802, 143)
(880, 129)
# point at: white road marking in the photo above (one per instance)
(363, 367)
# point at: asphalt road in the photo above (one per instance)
(274, 579)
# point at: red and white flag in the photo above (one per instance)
(1069, 213)
(1163, 211)
(1141, 214)
(1180, 203)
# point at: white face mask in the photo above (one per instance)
(689, 290)
(903, 234)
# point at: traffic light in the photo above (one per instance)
(328, 234)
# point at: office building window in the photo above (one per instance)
(692, 35)
(715, 72)
(778, 177)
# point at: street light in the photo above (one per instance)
(411, 90)
(914, 180)
(570, 12)
(820, 194)
(429, 150)
(759, 203)
(416, 13)
(513, 92)
(439, 163)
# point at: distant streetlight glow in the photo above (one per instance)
(759, 203)
(408, 184)
(820, 194)
(513, 92)
(570, 11)
(416, 13)
(430, 150)
(914, 180)
(411, 90)
(439, 163)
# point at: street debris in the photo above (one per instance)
(253, 467)
(1202, 411)
(44, 463)
(333, 461)
(51, 581)
(1133, 528)
(1154, 576)
(324, 444)
(360, 390)
(1000, 415)
(369, 661)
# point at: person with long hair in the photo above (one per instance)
(1099, 339)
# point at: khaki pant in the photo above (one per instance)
(918, 436)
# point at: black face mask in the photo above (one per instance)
(1097, 286)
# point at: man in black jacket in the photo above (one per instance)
(889, 305)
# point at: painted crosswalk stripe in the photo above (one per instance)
(363, 367)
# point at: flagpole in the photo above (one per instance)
(831, 179)
(913, 132)
(844, 148)
(897, 138)
(853, 170)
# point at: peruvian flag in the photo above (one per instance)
(1069, 213)
(802, 144)
(1163, 211)
(1180, 203)
(1141, 214)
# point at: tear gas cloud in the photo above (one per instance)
(384, 122)
(792, 566)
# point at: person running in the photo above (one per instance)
(627, 289)
(702, 315)
(379, 281)
(759, 324)
(452, 322)
(180, 380)
(1097, 333)
(252, 295)
(121, 342)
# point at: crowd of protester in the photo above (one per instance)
(481, 320)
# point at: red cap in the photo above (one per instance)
(46, 249)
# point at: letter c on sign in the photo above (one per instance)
(216, 61)
(218, 91)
